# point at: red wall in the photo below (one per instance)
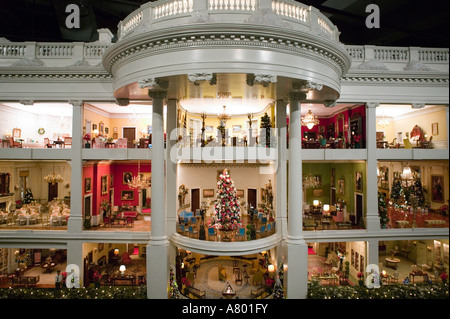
(118, 170)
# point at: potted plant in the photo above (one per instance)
(360, 279)
(87, 139)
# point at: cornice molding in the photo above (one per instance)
(54, 74)
(229, 35)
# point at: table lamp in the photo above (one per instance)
(326, 209)
(122, 269)
(316, 202)
(271, 268)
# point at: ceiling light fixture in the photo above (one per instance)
(310, 120)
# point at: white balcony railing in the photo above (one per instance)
(181, 12)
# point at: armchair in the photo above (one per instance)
(126, 260)
(339, 218)
(13, 143)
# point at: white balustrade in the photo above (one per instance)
(58, 50)
(92, 50)
(172, 8)
(391, 54)
(12, 50)
(131, 23)
(295, 11)
(324, 26)
(232, 5)
(433, 55)
(356, 52)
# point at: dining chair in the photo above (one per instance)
(261, 230)
(129, 221)
(241, 232)
(67, 141)
(211, 232)
(192, 231)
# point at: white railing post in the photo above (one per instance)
(369, 52)
(413, 54)
(30, 50)
(200, 5)
(78, 51)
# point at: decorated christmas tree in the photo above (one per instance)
(266, 126)
(382, 211)
(174, 293)
(227, 212)
(396, 190)
(28, 196)
(278, 290)
(418, 191)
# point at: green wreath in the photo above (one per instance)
(41, 131)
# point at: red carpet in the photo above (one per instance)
(311, 251)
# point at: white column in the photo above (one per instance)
(281, 195)
(75, 222)
(75, 256)
(171, 168)
(372, 220)
(372, 252)
(157, 250)
(297, 250)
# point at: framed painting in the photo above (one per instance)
(127, 195)
(127, 177)
(434, 129)
(101, 127)
(341, 187)
(208, 193)
(356, 260)
(240, 193)
(237, 128)
(318, 192)
(437, 193)
(87, 184)
(104, 184)
(353, 258)
(209, 128)
(361, 264)
(358, 181)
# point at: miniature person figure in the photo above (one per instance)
(58, 279)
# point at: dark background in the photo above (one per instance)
(403, 22)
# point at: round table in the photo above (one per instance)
(392, 262)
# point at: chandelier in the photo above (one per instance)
(224, 116)
(383, 122)
(311, 181)
(310, 120)
(53, 178)
(138, 182)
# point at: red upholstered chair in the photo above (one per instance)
(126, 260)
(339, 218)
(13, 143)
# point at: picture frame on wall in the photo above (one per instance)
(361, 264)
(209, 128)
(104, 184)
(358, 181)
(237, 128)
(263, 194)
(437, 184)
(127, 177)
(356, 260)
(240, 193)
(127, 195)
(87, 184)
(207, 193)
(101, 127)
(341, 188)
(317, 192)
(353, 259)
(434, 129)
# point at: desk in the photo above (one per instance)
(424, 275)
(58, 143)
(5, 142)
(124, 281)
(392, 262)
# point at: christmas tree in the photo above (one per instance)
(418, 191)
(227, 213)
(396, 190)
(382, 211)
(278, 290)
(174, 293)
(28, 196)
(266, 130)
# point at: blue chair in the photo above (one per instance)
(192, 232)
(193, 220)
(211, 232)
(241, 232)
(269, 227)
(264, 220)
(261, 230)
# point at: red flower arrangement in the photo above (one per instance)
(87, 137)
(269, 282)
(360, 275)
(444, 276)
(186, 282)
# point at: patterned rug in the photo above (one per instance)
(207, 278)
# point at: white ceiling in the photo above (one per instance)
(54, 109)
(396, 110)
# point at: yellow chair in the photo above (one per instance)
(407, 143)
(222, 273)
